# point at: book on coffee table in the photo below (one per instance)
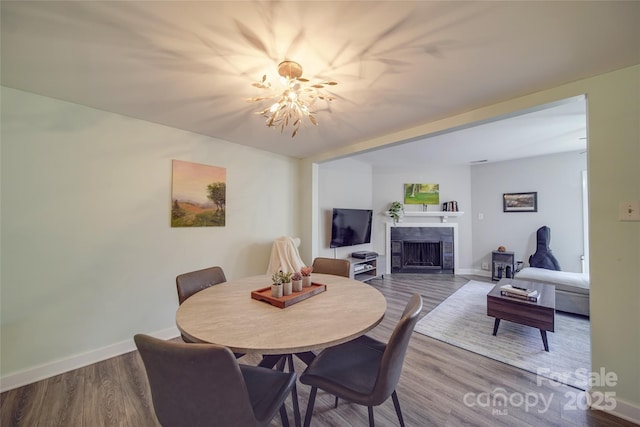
(533, 298)
(518, 290)
(522, 293)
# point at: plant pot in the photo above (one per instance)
(276, 291)
(286, 288)
(306, 281)
(296, 285)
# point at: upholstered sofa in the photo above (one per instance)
(572, 289)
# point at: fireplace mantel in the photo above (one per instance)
(444, 215)
(390, 225)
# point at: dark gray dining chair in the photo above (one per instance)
(337, 267)
(195, 281)
(204, 385)
(364, 371)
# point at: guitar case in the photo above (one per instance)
(543, 257)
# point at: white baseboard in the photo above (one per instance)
(483, 273)
(473, 272)
(623, 409)
(47, 370)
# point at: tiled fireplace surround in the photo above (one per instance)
(422, 248)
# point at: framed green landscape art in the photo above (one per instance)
(422, 194)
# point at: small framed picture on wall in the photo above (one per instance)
(520, 202)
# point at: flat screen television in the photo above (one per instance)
(350, 227)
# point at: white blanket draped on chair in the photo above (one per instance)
(285, 256)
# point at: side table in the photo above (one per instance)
(499, 263)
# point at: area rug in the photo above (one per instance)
(462, 320)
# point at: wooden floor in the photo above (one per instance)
(441, 385)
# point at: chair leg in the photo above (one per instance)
(371, 423)
(312, 400)
(336, 405)
(281, 362)
(294, 394)
(396, 404)
(283, 416)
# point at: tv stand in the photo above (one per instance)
(365, 269)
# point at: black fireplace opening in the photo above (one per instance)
(422, 250)
(419, 253)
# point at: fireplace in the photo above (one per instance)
(421, 253)
(427, 248)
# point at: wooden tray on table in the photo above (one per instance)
(264, 294)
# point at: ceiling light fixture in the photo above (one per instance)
(294, 101)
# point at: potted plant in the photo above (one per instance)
(276, 285)
(306, 276)
(286, 283)
(396, 211)
(296, 281)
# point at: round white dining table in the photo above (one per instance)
(227, 315)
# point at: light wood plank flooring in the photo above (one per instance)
(435, 380)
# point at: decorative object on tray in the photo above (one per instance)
(264, 294)
(517, 292)
(276, 290)
(296, 281)
(396, 211)
(277, 280)
(306, 276)
(286, 283)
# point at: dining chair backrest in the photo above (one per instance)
(195, 384)
(195, 281)
(395, 351)
(337, 267)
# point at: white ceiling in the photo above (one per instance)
(550, 129)
(190, 65)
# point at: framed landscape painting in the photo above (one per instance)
(520, 202)
(198, 195)
(422, 194)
